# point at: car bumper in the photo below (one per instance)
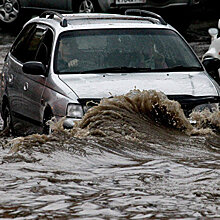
(68, 123)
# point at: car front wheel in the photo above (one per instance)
(10, 13)
(87, 6)
(48, 115)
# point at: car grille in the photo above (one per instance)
(189, 102)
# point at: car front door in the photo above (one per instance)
(15, 76)
(39, 49)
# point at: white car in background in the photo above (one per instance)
(211, 58)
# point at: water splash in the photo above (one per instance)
(152, 105)
(207, 119)
(135, 118)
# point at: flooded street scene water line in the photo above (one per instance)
(123, 160)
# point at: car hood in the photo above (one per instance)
(111, 84)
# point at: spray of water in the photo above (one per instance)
(149, 114)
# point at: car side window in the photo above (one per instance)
(27, 48)
(43, 53)
(17, 49)
(31, 48)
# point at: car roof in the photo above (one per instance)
(64, 22)
(105, 18)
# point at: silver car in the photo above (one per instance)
(61, 65)
(13, 12)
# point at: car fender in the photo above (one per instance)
(57, 95)
(57, 105)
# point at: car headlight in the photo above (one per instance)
(74, 111)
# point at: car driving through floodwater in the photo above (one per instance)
(61, 65)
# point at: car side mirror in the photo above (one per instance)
(34, 68)
(212, 65)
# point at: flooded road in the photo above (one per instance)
(120, 162)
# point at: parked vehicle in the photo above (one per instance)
(14, 12)
(212, 57)
(60, 65)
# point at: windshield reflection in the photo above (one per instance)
(151, 49)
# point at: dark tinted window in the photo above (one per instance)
(44, 50)
(33, 44)
(28, 43)
(19, 44)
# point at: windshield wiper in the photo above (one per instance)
(179, 68)
(125, 69)
(121, 69)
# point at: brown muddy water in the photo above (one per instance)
(123, 160)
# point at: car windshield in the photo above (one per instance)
(123, 50)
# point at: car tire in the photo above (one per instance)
(48, 115)
(7, 120)
(11, 14)
(87, 6)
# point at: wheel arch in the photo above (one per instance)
(47, 115)
(48, 112)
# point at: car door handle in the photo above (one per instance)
(10, 78)
(25, 86)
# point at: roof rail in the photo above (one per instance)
(51, 14)
(145, 13)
